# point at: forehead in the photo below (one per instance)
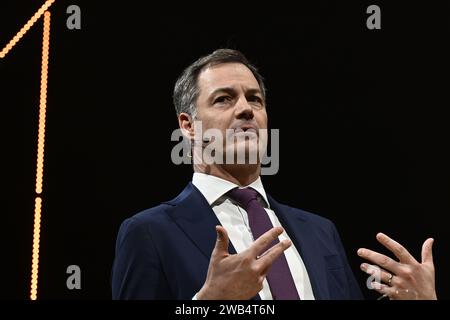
(227, 75)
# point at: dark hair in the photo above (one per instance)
(186, 90)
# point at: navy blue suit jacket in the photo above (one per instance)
(164, 252)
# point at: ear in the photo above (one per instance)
(186, 124)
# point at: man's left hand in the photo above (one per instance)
(406, 279)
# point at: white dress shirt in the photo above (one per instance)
(235, 220)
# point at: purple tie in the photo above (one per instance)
(279, 276)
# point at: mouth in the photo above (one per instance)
(246, 128)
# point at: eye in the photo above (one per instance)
(222, 99)
(256, 99)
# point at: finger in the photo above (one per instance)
(427, 251)
(378, 273)
(260, 245)
(391, 291)
(222, 241)
(380, 259)
(267, 259)
(386, 291)
(396, 248)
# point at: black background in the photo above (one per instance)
(362, 117)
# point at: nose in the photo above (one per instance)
(244, 110)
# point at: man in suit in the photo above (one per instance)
(224, 237)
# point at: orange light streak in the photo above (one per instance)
(25, 28)
(40, 156)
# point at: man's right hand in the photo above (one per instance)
(240, 276)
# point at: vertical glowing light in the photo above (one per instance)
(36, 240)
(40, 156)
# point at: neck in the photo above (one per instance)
(240, 174)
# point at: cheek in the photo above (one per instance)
(261, 119)
(213, 124)
(221, 121)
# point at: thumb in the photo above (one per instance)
(427, 253)
(222, 241)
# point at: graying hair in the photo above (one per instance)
(186, 89)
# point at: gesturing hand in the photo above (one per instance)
(240, 276)
(407, 278)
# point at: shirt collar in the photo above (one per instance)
(213, 187)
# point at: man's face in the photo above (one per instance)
(230, 98)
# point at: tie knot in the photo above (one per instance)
(243, 196)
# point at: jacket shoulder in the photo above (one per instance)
(314, 218)
(155, 219)
(146, 218)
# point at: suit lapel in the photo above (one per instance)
(305, 241)
(193, 214)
